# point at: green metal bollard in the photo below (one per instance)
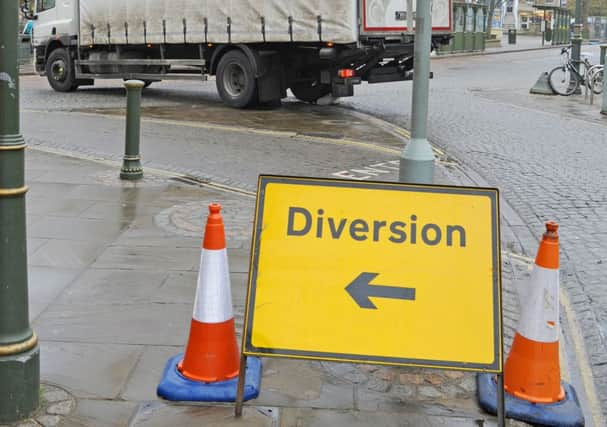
(604, 104)
(19, 350)
(603, 51)
(131, 166)
(576, 40)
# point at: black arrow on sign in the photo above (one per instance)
(361, 289)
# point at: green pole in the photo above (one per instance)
(576, 40)
(131, 166)
(557, 26)
(19, 351)
(417, 159)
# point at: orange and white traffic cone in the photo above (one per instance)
(212, 353)
(532, 370)
(532, 373)
(209, 368)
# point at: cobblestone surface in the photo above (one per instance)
(547, 160)
(55, 405)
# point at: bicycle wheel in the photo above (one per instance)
(596, 82)
(563, 81)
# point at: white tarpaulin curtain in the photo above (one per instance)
(216, 21)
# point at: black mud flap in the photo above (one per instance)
(341, 88)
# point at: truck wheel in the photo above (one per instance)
(60, 71)
(235, 81)
(310, 91)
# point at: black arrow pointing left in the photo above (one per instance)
(361, 289)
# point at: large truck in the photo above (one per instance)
(256, 49)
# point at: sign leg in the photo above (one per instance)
(240, 390)
(501, 409)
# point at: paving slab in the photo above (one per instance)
(102, 231)
(157, 414)
(52, 206)
(65, 253)
(141, 384)
(323, 418)
(46, 284)
(180, 288)
(148, 258)
(100, 413)
(136, 324)
(88, 370)
(99, 287)
(297, 383)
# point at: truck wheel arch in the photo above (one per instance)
(252, 54)
(51, 46)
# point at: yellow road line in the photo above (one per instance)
(585, 370)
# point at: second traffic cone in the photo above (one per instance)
(208, 370)
(212, 352)
(532, 371)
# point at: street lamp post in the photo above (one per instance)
(417, 159)
(19, 351)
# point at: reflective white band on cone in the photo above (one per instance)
(539, 299)
(213, 303)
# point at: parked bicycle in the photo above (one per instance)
(567, 78)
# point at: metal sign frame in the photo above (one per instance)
(493, 194)
(251, 350)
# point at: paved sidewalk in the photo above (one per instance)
(112, 277)
(523, 42)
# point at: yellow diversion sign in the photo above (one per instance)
(375, 273)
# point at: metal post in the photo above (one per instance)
(603, 51)
(556, 31)
(417, 159)
(576, 41)
(19, 351)
(604, 103)
(545, 24)
(501, 400)
(131, 165)
(240, 386)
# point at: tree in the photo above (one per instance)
(492, 5)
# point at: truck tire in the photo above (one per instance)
(310, 91)
(235, 80)
(60, 71)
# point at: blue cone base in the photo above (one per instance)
(175, 387)
(566, 413)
